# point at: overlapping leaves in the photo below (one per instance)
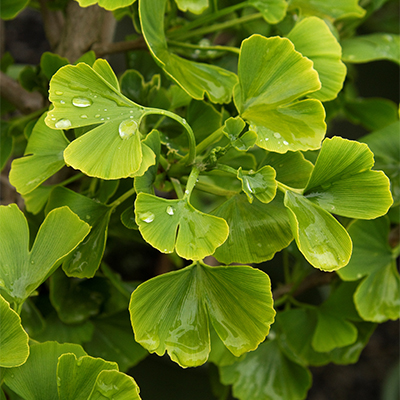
(172, 312)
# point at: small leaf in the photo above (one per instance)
(377, 298)
(76, 376)
(21, 270)
(37, 378)
(107, 4)
(342, 181)
(43, 158)
(319, 236)
(176, 224)
(50, 63)
(273, 11)
(266, 100)
(195, 78)
(256, 231)
(313, 38)
(172, 312)
(194, 6)
(261, 183)
(267, 374)
(14, 348)
(376, 46)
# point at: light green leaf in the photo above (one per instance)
(335, 9)
(256, 231)
(267, 374)
(342, 181)
(107, 4)
(116, 384)
(10, 8)
(172, 312)
(14, 348)
(267, 101)
(319, 236)
(21, 270)
(273, 11)
(84, 261)
(313, 38)
(37, 378)
(76, 376)
(43, 158)
(81, 97)
(377, 298)
(176, 224)
(376, 46)
(194, 6)
(37, 199)
(195, 78)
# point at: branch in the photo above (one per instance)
(53, 22)
(24, 101)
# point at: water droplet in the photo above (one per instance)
(32, 262)
(147, 217)
(62, 102)
(95, 96)
(105, 109)
(186, 191)
(259, 244)
(266, 139)
(170, 210)
(2, 284)
(127, 129)
(277, 135)
(81, 102)
(53, 119)
(285, 143)
(131, 112)
(108, 118)
(59, 92)
(101, 119)
(63, 123)
(83, 116)
(97, 116)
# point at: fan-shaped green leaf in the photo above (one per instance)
(273, 11)
(194, 6)
(313, 38)
(37, 378)
(335, 9)
(107, 4)
(256, 231)
(319, 236)
(272, 75)
(267, 374)
(43, 158)
(376, 46)
(14, 348)
(176, 224)
(342, 181)
(21, 270)
(378, 296)
(172, 312)
(37, 199)
(84, 261)
(82, 96)
(195, 78)
(116, 384)
(76, 376)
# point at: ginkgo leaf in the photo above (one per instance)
(23, 270)
(176, 224)
(14, 348)
(172, 312)
(266, 100)
(43, 158)
(197, 79)
(273, 11)
(107, 4)
(194, 6)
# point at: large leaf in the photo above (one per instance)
(10, 8)
(23, 270)
(172, 312)
(195, 78)
(376, 46)
(378, 296)
(313, 38)
(82, 96)
(335, 9)
(319, 236)
(14, 348)
(84, 261)
(272, 76)
(176, 224)
(342, 181)
(37, 378)
(267, 374)
(256, 231)
(43, 158)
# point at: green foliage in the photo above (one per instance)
(154, 187)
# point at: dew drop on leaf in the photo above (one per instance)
(62, 102)
(147, 217)
(81, 102)
(170, 210)
(277, 135)
(285, 143)
(127, 128)
(84, 116)
(97, 116)
(59, 92)
(63, 123)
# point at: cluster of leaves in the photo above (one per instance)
(222, 149)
